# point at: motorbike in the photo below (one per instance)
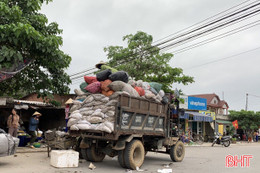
(224, 140)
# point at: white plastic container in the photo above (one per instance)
(64, 158)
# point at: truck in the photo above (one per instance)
(140, 126)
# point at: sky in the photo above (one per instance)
(91, 25)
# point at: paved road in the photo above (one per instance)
(197, 160)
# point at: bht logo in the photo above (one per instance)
(233, 161)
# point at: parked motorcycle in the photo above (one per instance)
(225, 140)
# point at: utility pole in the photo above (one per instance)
(246, 101)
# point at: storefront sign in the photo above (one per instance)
(212, 114)
(195, 103)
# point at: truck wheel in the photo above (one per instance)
(94, 155)
(121, 159)
(134, 154)
(177, 152)
(77, 148)
(83, 152)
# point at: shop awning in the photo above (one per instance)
(223, 122)
(199, 116)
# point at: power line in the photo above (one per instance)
(221, 59)
(209, 24)
(208, 30)
(220, 36)
(202, 21)
(199, 34)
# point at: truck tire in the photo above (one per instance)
(121, 159)
(94, 155)
(78, 149)
(177, 152)
(83, 152)
(134, 154)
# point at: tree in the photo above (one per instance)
(247, 120)
(26, 38)
(144, 62)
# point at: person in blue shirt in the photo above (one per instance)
(33, 126)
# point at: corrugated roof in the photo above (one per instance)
(32, 102)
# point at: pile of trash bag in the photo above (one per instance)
(106, 83)
(95, 105)
(8, 144)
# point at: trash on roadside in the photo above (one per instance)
(164, 170)
(128, 171)
(91, 166)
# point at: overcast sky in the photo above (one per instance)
(90, 25)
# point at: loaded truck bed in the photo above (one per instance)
(140, 126)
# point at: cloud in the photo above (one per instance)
(89, 26)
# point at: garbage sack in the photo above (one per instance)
(104, 67)
(99, 107)
(81, 98)
(117, 85)
(104, 85)
(140, 91)
(83, 126)
(149, 94)
(83, 122)
(103, 75)
(72, 121)
(153, 91)
(132, 83)
(82, 86)
(78, 92)
(111, 103)
(74, 127)
(119, 76)
(90, 79)
(98, 113)
(75, 115)
(105, 100)
(146, 86)
(139, 83)
(156, 86)
(98, 97)
(117, 93)
(87, 113)
(161, 93)
(84, 109)
(89, 99)
(107, 93)
(110, 113)
(77, 102)
(129, 89)
(109, 125)
(102, 127)
(165, 100)
(74, 108)
(94, 87)
(95, 120)
(3, 144)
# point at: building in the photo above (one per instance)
(218, 107)
(194, 120)
(53, 117)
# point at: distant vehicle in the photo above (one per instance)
(8, 144)
(225, 140)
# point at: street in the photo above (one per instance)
(198, 159)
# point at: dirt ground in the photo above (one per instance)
(197, 159)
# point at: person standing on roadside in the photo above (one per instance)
(33, 126)
(13, 123)
(67, 110)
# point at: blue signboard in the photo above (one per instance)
(196, 103)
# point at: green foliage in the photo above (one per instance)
(247, 120)
(144, 62)
(26, 34)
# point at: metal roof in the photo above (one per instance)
(32, 102)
